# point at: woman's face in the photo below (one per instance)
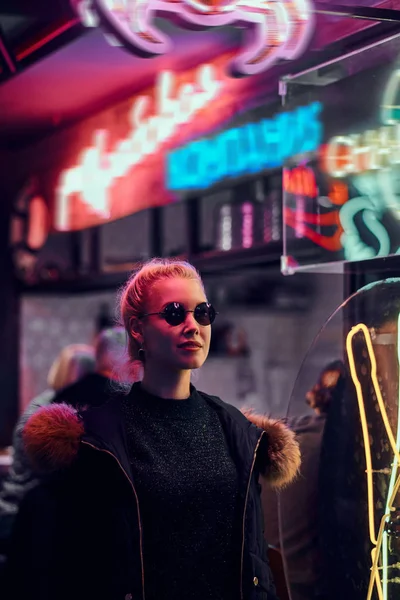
(167, 345)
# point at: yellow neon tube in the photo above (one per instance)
(379, 541)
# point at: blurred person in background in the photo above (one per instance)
(97, 387)
(155, 493)
(104, 319)
(293, 521)
(73, 363)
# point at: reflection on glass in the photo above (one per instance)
(339, 524)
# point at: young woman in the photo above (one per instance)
(156, 493)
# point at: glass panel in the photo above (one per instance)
(340, 520)
(342, 201)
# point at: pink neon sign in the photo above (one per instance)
(154, 121)
(277, 29)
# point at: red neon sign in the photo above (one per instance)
(310, 221)
(300, 182)
(121, 170)
(98, 168)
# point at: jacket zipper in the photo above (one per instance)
(244, 513)
(139, 519)
(137, 504)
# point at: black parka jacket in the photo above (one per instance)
(78, 535)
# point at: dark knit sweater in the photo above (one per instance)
(187, 486)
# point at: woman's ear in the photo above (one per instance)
(136, 330)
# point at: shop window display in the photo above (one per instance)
(341, 202)
(339, 530)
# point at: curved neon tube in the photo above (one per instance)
(380, 541)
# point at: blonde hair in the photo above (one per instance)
(134, 295)
(71, 364)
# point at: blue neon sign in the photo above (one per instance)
(246, 149)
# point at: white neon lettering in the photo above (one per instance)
(165, 105)
(371, 151)
(332, 157)
(226, 227)
(97, 169)
(361, 151)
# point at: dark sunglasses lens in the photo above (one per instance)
(174, 313)
(204, 314)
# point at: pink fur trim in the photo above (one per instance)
(282, 462)
(51, 437)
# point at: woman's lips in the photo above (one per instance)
(190, 346)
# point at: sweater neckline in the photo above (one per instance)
(163, 406)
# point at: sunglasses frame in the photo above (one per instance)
(163, 315)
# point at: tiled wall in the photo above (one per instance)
(278, 343)
(48, 323)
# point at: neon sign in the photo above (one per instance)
(372, 150)
(225, 242)
(100, 167)
(244, 150)
(370, 158)
(300, 182)
(275, 30)
(359, 153)
(379, 539)
(247, 224)
(306, 224)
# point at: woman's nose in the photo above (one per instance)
(190, 322)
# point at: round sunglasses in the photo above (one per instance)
(174, 313)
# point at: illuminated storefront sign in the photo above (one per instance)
(300, 181)
(372, 150)
(370, 160)
(352, 212)
(153, 122)
(322, 228)
(113, 164)
(275, 30)
(251, 148)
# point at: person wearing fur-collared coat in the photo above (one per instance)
(154, 495)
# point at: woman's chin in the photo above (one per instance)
(191, 363)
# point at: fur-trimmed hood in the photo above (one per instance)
(283, 450)
(52, 438)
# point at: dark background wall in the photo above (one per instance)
(9, 318)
